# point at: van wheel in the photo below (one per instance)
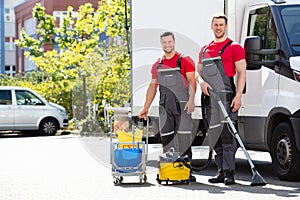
(48, 127)
(285, 157)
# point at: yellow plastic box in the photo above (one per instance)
(127, 137)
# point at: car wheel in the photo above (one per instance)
(285, 156)
(48, 127)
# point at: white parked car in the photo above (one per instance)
(23, 109)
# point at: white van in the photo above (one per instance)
(23, 109)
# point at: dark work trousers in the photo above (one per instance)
(220, 135)
(175, 124)
(176, 130)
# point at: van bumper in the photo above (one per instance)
(65, 123)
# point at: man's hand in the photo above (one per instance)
(143, 113)
(236, 103)
(204, 88)
(150, 95)
(189, 106)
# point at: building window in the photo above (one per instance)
(28, 65)
(8, 14)
(9, 44)
(10, 70)
(58, 16)
(30, 26)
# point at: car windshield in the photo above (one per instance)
(290, 17)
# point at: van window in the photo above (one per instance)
(5, 97)
(261, 23)
(290, 17)
(27, 98)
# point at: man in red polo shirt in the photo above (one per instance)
(175, 76)
(219, 62)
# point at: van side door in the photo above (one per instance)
(29, 110)
(262, 84)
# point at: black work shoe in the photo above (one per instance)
(229, 178)
(218, 179)
(192, 178)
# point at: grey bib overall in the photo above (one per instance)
(175, 124)
(219, 136)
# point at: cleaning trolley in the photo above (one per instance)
(128, 150)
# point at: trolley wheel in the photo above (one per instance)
(167, 182)
(158, 180)
(116, 181)
(141, 179)
(145, 178)
(121, 178)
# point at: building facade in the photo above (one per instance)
(7, 36)
(24, 19)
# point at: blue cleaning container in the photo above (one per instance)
(128, 157)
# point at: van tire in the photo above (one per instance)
(48, 127)
(285, 156)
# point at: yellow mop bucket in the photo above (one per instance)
(127, 137)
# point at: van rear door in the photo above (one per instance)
(6, 110)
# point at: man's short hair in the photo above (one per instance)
(165, 34)
(219, 15)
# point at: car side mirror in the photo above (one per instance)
(256, 56)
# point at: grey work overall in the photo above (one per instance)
(219, 136)
(175, 124)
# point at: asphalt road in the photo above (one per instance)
(75, 167)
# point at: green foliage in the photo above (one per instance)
(76, 71)
(115, 78)
(107, 80)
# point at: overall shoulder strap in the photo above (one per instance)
(159, 66)
(224, 47)
(178, 64)
(204, 49)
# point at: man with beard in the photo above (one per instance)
(219, 62)
(175, 76)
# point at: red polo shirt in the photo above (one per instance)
(231, 54)
(187, 65)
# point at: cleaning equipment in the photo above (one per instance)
(125, 136)
(257, 179)
(173, 168)
(129, 153)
